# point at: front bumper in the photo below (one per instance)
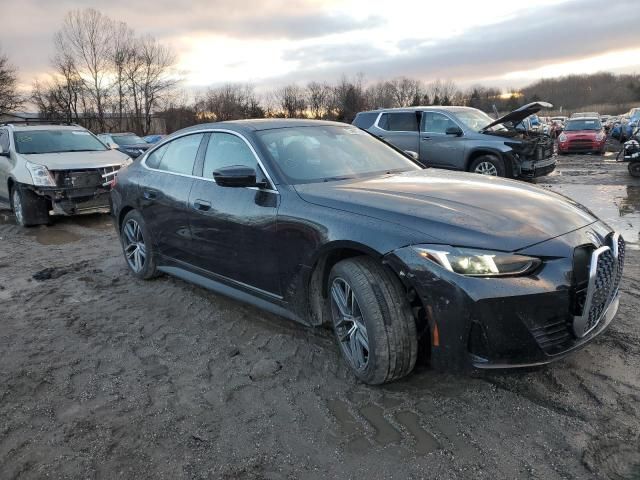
(503, 322)
(578, 146)
(538, 168)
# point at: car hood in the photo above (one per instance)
(519, 114)
(78, 160)
(461, 209)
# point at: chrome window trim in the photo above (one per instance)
(143, 162)
(395, 131)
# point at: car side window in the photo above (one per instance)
(4, 140)
(399, 122)
(434, 122)
(153, 160)
(180, 155)
(225, 150)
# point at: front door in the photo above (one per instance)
(437, 149)
(164, 194)
(234, 229)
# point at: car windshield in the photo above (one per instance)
(326, 153)
(56, 141)
(574, 125)
(476, 120)
(128, 140)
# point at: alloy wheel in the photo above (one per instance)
(486, 168)
(17, 207)
(349, 325)
(134, 248)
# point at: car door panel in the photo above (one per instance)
(400, 129)
(437, 149)
(234, 229)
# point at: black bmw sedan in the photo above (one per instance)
(325, 224)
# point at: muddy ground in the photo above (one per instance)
(104, 376)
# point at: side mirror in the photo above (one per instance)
(235, 176)
(457, 131)
(412, 154)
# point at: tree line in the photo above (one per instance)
(108, 78)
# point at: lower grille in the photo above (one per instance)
(554, 336)
(95, 177)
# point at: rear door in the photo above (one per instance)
(437, 149)
(400, 129)
(164, 194)
(234, 229)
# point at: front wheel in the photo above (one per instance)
(634, 169)
(29, 208)
(488, 165)
(372, 320)
(138, 249)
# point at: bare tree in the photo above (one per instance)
(291, 100)
(405, 91)
(10, 98)
(85, 37)
(318, 95)
(230, 102)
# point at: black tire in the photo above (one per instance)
(634, 169)
(386, 314)
(148, 268)
(29, 208)
(484, 160)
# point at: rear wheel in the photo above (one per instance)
(372, 320)
(138, 249)
(29, 209)
(634, 169)
(488, 165)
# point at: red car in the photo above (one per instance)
(582, 135)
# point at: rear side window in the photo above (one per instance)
(399, 122)
(4, 140)
(180, 154)
(365, 120)
(225, 150)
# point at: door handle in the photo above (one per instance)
(202, 205)
(150, 194)
(426, 138)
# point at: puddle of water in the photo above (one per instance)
(53, 236)
(94, 222)
(617, 205)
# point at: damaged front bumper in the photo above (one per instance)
(502, 322)
(79, 191)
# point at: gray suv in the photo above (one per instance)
(464, 138)
(55, 168)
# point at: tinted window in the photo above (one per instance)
(316, 154)
(153, 160)
(55, 141)
(365, 120)
(399, 122)
(180, 155)
(224, 150)
(434, 122)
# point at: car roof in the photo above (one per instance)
(450, 108)
(26, 128)
(253, 125)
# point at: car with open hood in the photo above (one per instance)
(325, 224)
(55, 168)
(465, 138)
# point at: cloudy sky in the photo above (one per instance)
(272, 42)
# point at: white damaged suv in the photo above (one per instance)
(60, 169)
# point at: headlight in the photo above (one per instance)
(562, 137)
(599, 137)
(478, 263)
(41, 175)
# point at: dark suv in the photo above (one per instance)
(464, 138)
